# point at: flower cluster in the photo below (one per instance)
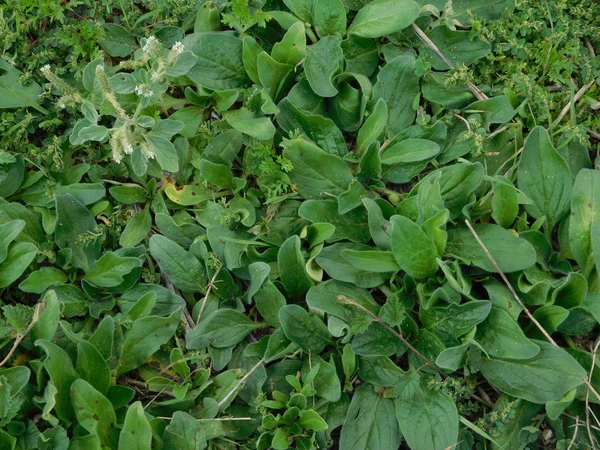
(144, 90)
(178, 48)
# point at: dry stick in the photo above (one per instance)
(188, 321)
(211, 283)
(512, 290)
(39, 309)
(587, 395)
(429, 43)
(574, 434)
(241, 382)
(576, 98)
(349, 301)
(593, 427)
(518, 299)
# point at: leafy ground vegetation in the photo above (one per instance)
(343, 224)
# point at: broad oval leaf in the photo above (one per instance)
(428, 418)
(370, 423)
(316, 173)
(223, 328)
(323, 60)
(415, 253)
(501, 337)
(510, 252)
(545, 177)
(381, 17)
(546, 377)
(180, 266)
(409, 151)
(304, 329)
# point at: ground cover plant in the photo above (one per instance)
(343, 224)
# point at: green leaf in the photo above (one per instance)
(46, 326)
(311, 420)
(351, 225)
(326, 381)
(110, 269)
(370, 423)
(428, 418)
(382, 17)
(324, 297)
(74, 222)
(398, 85)
(220, 65)
(223, 328)
(245, 121)
(409, 151)
(136, 229)
(33, 231)
(180, 266)
(373, 127)
(250, 53)
(319, 129)
(522, 416)
(92, 367)
(456, 320)
(184, 432)
(20, 255)
(415, 253)
(144, 338)
(501, 337)
(94, 411)
(301, 8)
(304, 329)
(505, 205)
(333, 259)
(458, 46)
(62, 373)
(118, 42)
(316, 172)
(329, 18)
(546, 377)
(42, 279)
(510, 252)
(585, 208)
(323, 60)
(12, 171)
(376, 341)
(136, 433)
(545, 178)
(208, 18)
(292, 270)
(14, 94)
(494, 110)
(164, 151)
(272, 74)
(292, 47)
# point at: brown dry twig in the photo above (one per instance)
(37, 313)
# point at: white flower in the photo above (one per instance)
(150, 45)
(128, 149)
(178, 48)
(143, 90)
(117, 157)
(45, 69)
